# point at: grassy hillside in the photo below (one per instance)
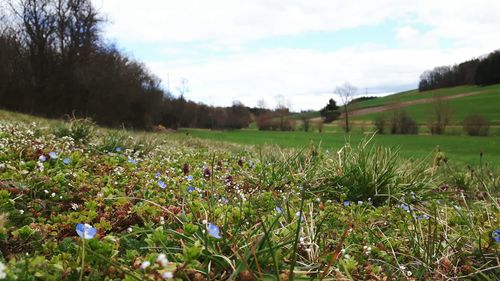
(485, 103)
(415, 95)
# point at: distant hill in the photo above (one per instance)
(463, 100)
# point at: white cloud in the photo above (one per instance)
(238, 21)
(429, 33)
(305, 77)
(232, 21)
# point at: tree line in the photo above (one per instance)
(480, 71)
(54, 62)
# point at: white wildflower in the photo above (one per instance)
(167, 275)
(2, 270)
(145, 264)
(162, 259)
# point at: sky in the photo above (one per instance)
(233, 50)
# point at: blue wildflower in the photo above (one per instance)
(191, 189)
(132, 161)
(42, 158)
(67, 161)
(214, 231)
(161, 184)
(53, 155)
(86, 231)
(423, 217)
(405, 207)
(189, 178)
(118, 149)
(495, 234)
(279, 210)
(347, 203)
(158, 174)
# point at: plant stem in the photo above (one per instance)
(83, 259)
(297, 234)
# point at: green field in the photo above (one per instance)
(462, 149)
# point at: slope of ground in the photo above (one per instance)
(485, 102)
(404, 104)
(112, 205)
(416, 95)
(464, 100)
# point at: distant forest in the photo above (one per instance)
(480, 71)
(54, 62)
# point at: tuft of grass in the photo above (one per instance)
(368, 173)
(80, 130)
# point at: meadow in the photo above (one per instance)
(458, 149)
(79, 202)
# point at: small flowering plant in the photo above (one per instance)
(51, 215)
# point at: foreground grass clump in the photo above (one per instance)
(115, 205)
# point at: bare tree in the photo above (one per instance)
(282, 108)
(346, 93)
(306, 122)
(262, 104)
(183, 87)
(442, 115)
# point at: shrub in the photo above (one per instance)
(271, 122)
(436, 128)
(320, 126)
(288, 125)
(403, 124)
(380, 124)
(264, 121)
(331, 116)
(476, 125)
(306, 122)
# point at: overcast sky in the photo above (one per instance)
(258, 49)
